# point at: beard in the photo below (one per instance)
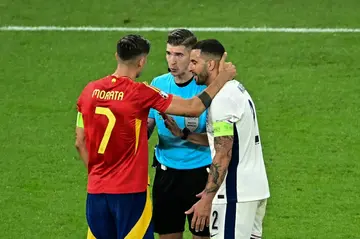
(202, 77)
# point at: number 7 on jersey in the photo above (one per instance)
(111, 118)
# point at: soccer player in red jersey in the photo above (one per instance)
(111, 138)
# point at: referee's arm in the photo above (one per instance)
(198, 138)
(185, 134)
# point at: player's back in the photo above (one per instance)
(246, 179)
(115, 127)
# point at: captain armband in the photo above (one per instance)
(223, 128)
(79, 120)
(205, 99)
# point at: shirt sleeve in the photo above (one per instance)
(79, 118)
(152, 111)
(152, 97)
(80, 101)
(80, 105)
(79, 121)
(224, 113)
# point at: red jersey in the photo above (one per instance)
(115, 112)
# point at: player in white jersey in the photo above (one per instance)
(237, 189)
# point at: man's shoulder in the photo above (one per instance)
(194, 85)
(102, 84)
(161, 79)
(87, 88)
(96, 82)
(145, 85)
(228, 90)
(232, 93)
(231, 86)
(101, 80)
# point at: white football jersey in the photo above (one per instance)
(246, 179)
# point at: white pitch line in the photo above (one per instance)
(166, 29)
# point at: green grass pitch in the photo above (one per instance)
(305, 86)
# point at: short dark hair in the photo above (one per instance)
(132, 46)
(181, 37)
(210, 46)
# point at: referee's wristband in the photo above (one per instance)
(186, 133)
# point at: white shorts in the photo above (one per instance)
(241, 220)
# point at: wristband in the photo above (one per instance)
(186, 133)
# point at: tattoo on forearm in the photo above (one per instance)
(224, 144)
(214, 184)
(218, 169)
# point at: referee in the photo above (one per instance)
(182, 160)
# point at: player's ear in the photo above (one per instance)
(142, 61)
(211, 65)
(117, 56)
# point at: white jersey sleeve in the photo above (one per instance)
(225, 109)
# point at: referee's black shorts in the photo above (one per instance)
(174, 192)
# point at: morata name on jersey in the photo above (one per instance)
(108, 95)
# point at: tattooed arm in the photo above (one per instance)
(222, 122)
(218, 169)
(223, 144)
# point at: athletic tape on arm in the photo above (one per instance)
(223, 128)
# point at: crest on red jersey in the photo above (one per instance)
(163, 94)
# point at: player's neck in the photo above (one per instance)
(125, 71)
(183, 78)
(210, 79)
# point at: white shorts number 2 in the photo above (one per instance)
(237, 220)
